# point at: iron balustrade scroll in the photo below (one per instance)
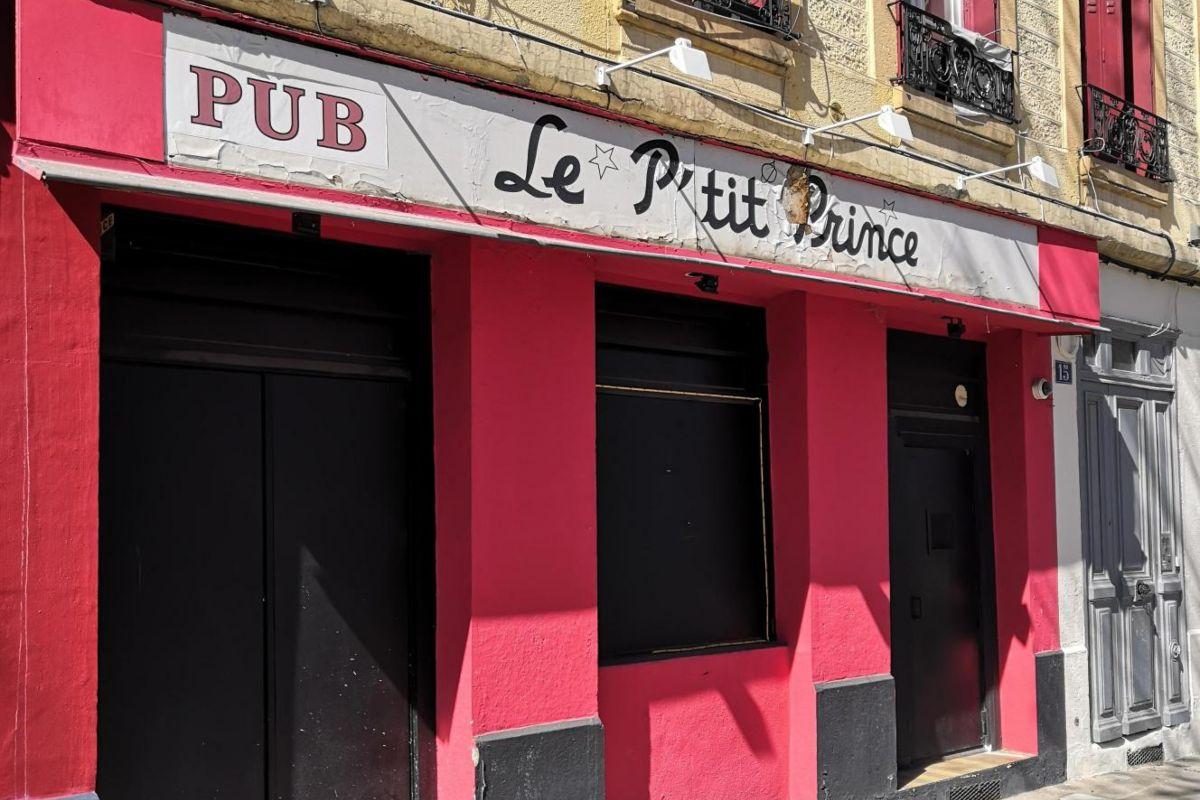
(775, 15)
(1125, 134)
(934, 59)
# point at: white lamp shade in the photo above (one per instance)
(895, 124)
(1041, 171)
(689, 60)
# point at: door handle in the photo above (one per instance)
(914, 607)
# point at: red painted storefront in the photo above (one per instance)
(513, 342)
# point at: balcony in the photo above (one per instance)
(1124, 134)
(772, 15)
(937, 60)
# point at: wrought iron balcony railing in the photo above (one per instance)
(1120, 132)
(935, 60)
(775, 15)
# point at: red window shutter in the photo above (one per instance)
(980, 16)
(1142, 55)
(1103, 47)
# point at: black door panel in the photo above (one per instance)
(181, 575)
(940, 565)
(263, 426)
(339, 621)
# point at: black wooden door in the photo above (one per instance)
(181, 574)
(258, 503)
(337, 530)
(940, 572)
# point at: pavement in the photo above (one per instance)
(1171, 781)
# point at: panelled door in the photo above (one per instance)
(1131, 528)
(262, 458)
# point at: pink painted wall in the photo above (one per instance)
(828, 422)
(450, 279)
(845, 370)
(533, 486)
(1024, 526)
(788, 408)
(49, 340)
(90, 75)
(712, 727)
(1069, 274)
(514, 459)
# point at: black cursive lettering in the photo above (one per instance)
(658, 149)
(566, 171)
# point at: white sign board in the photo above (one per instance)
(254, 105)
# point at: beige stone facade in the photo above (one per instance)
(839, 65)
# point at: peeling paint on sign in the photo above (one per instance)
(249, 104)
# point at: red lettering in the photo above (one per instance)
(262, 109)
(207, 97)
(338, 113)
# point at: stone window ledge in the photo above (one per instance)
(1120, 180)
(939, 114)
(727, 38)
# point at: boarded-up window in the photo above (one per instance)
(684, 557)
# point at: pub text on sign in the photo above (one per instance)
(340, 116)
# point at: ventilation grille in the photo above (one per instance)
(987, 790)
(1147, 755)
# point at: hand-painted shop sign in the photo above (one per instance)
(254, 105)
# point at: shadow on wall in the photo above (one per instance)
(713, 726)
(545, 23)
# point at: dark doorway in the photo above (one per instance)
(941, 563)
(264, 515)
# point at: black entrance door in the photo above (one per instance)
(940, 546)
(260, 501)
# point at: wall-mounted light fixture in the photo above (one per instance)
(893, 124)
(684, 57)
(1068, 346)
(1038, 169)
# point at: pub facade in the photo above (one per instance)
(377, 429)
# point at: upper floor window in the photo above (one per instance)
(948, 48)
(1119, 104)
(775, 15)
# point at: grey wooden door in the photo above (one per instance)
(1131, 529)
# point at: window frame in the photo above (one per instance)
(753, 392)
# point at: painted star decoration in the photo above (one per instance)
(603, 160)
(889, 212)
